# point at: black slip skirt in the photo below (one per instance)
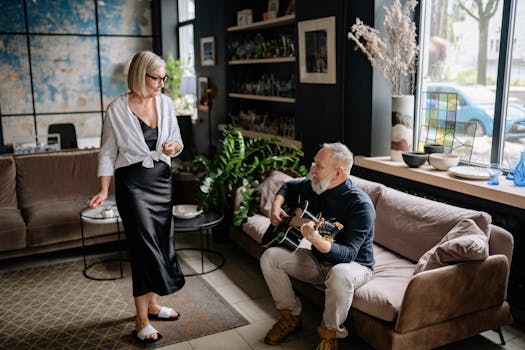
(144, 202)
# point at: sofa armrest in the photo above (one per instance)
(441, 294)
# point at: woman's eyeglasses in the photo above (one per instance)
(157, 80)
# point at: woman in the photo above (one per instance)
(139, 137)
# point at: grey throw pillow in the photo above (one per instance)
(464, 242)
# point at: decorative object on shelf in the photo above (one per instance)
(317, 51)
(494, 173)
(512, 161)
(443, 161)
(290, 10)
(438, 119)
(414, 159)
(433, 148)
(244, 17)
(207, 51)
(273, 9)
(469, 172)
(395, 56)
(259, 47)
(519, 172)
(402, 126)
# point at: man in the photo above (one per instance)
(342, 266)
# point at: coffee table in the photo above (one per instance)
(203, 223)
(96, 216)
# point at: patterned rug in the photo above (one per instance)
(56, 307)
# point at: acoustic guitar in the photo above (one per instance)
(288, 233)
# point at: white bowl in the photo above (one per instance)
(185, 211)
(443, 161)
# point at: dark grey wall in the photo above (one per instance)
(324, 113)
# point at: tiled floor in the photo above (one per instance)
(240, 282)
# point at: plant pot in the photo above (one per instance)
(107, 213)
(402, 126)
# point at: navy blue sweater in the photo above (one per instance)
(347, 204)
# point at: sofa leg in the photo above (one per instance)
(500, 335)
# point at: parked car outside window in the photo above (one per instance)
(476, 105)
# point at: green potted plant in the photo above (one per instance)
(242, 163)
(176, 69)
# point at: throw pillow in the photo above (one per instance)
(464, 242)
(269, 188)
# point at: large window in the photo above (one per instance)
(462, 42)
(64, 61)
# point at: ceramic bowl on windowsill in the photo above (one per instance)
(443, 161)
(414, 159)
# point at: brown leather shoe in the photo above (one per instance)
(328, 339)
(283, 328)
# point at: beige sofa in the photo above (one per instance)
(463, 258)
(41, 196)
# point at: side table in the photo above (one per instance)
(95, 216)
(203, 223)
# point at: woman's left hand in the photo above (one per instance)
(171, 148)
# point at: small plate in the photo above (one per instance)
(470, 172)
(185, 211)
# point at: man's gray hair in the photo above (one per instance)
(142, 63)
(342, 155)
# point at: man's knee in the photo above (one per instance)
(269, 258)
(339, 276)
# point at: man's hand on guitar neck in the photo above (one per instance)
(310, 232)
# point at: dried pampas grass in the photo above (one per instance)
(396, 57)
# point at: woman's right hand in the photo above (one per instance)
(97, 200)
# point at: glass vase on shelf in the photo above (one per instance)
(519, 171)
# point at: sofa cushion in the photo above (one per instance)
(68, 175)
(464, 242)
(268, 188)
(255, 226)
(411, 225)
(382, 295)
(12, 229)
(373, 189)
(7, 182)
(59, 221)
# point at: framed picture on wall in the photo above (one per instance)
(317, 51)
(202, 96)
(208, 51)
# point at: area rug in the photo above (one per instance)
(56, 307)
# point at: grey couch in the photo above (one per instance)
(441, 271)
(41, 196)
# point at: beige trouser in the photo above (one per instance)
(340, 281)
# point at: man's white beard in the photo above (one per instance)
(322, 185)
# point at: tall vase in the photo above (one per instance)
(402, 126)
(519, 172)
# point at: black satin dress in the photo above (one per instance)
(144, 202)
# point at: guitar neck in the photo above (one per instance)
(297, 221)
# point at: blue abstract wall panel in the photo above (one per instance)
(58, 38)
(12, 18)
(65, 73)
(115, 57)
(61, 16)
(15, 84)
(125, 17)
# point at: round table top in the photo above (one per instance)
(202, 221)
(96, 216)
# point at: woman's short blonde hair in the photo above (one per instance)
(142, 63)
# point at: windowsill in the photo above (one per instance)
(505, 193)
